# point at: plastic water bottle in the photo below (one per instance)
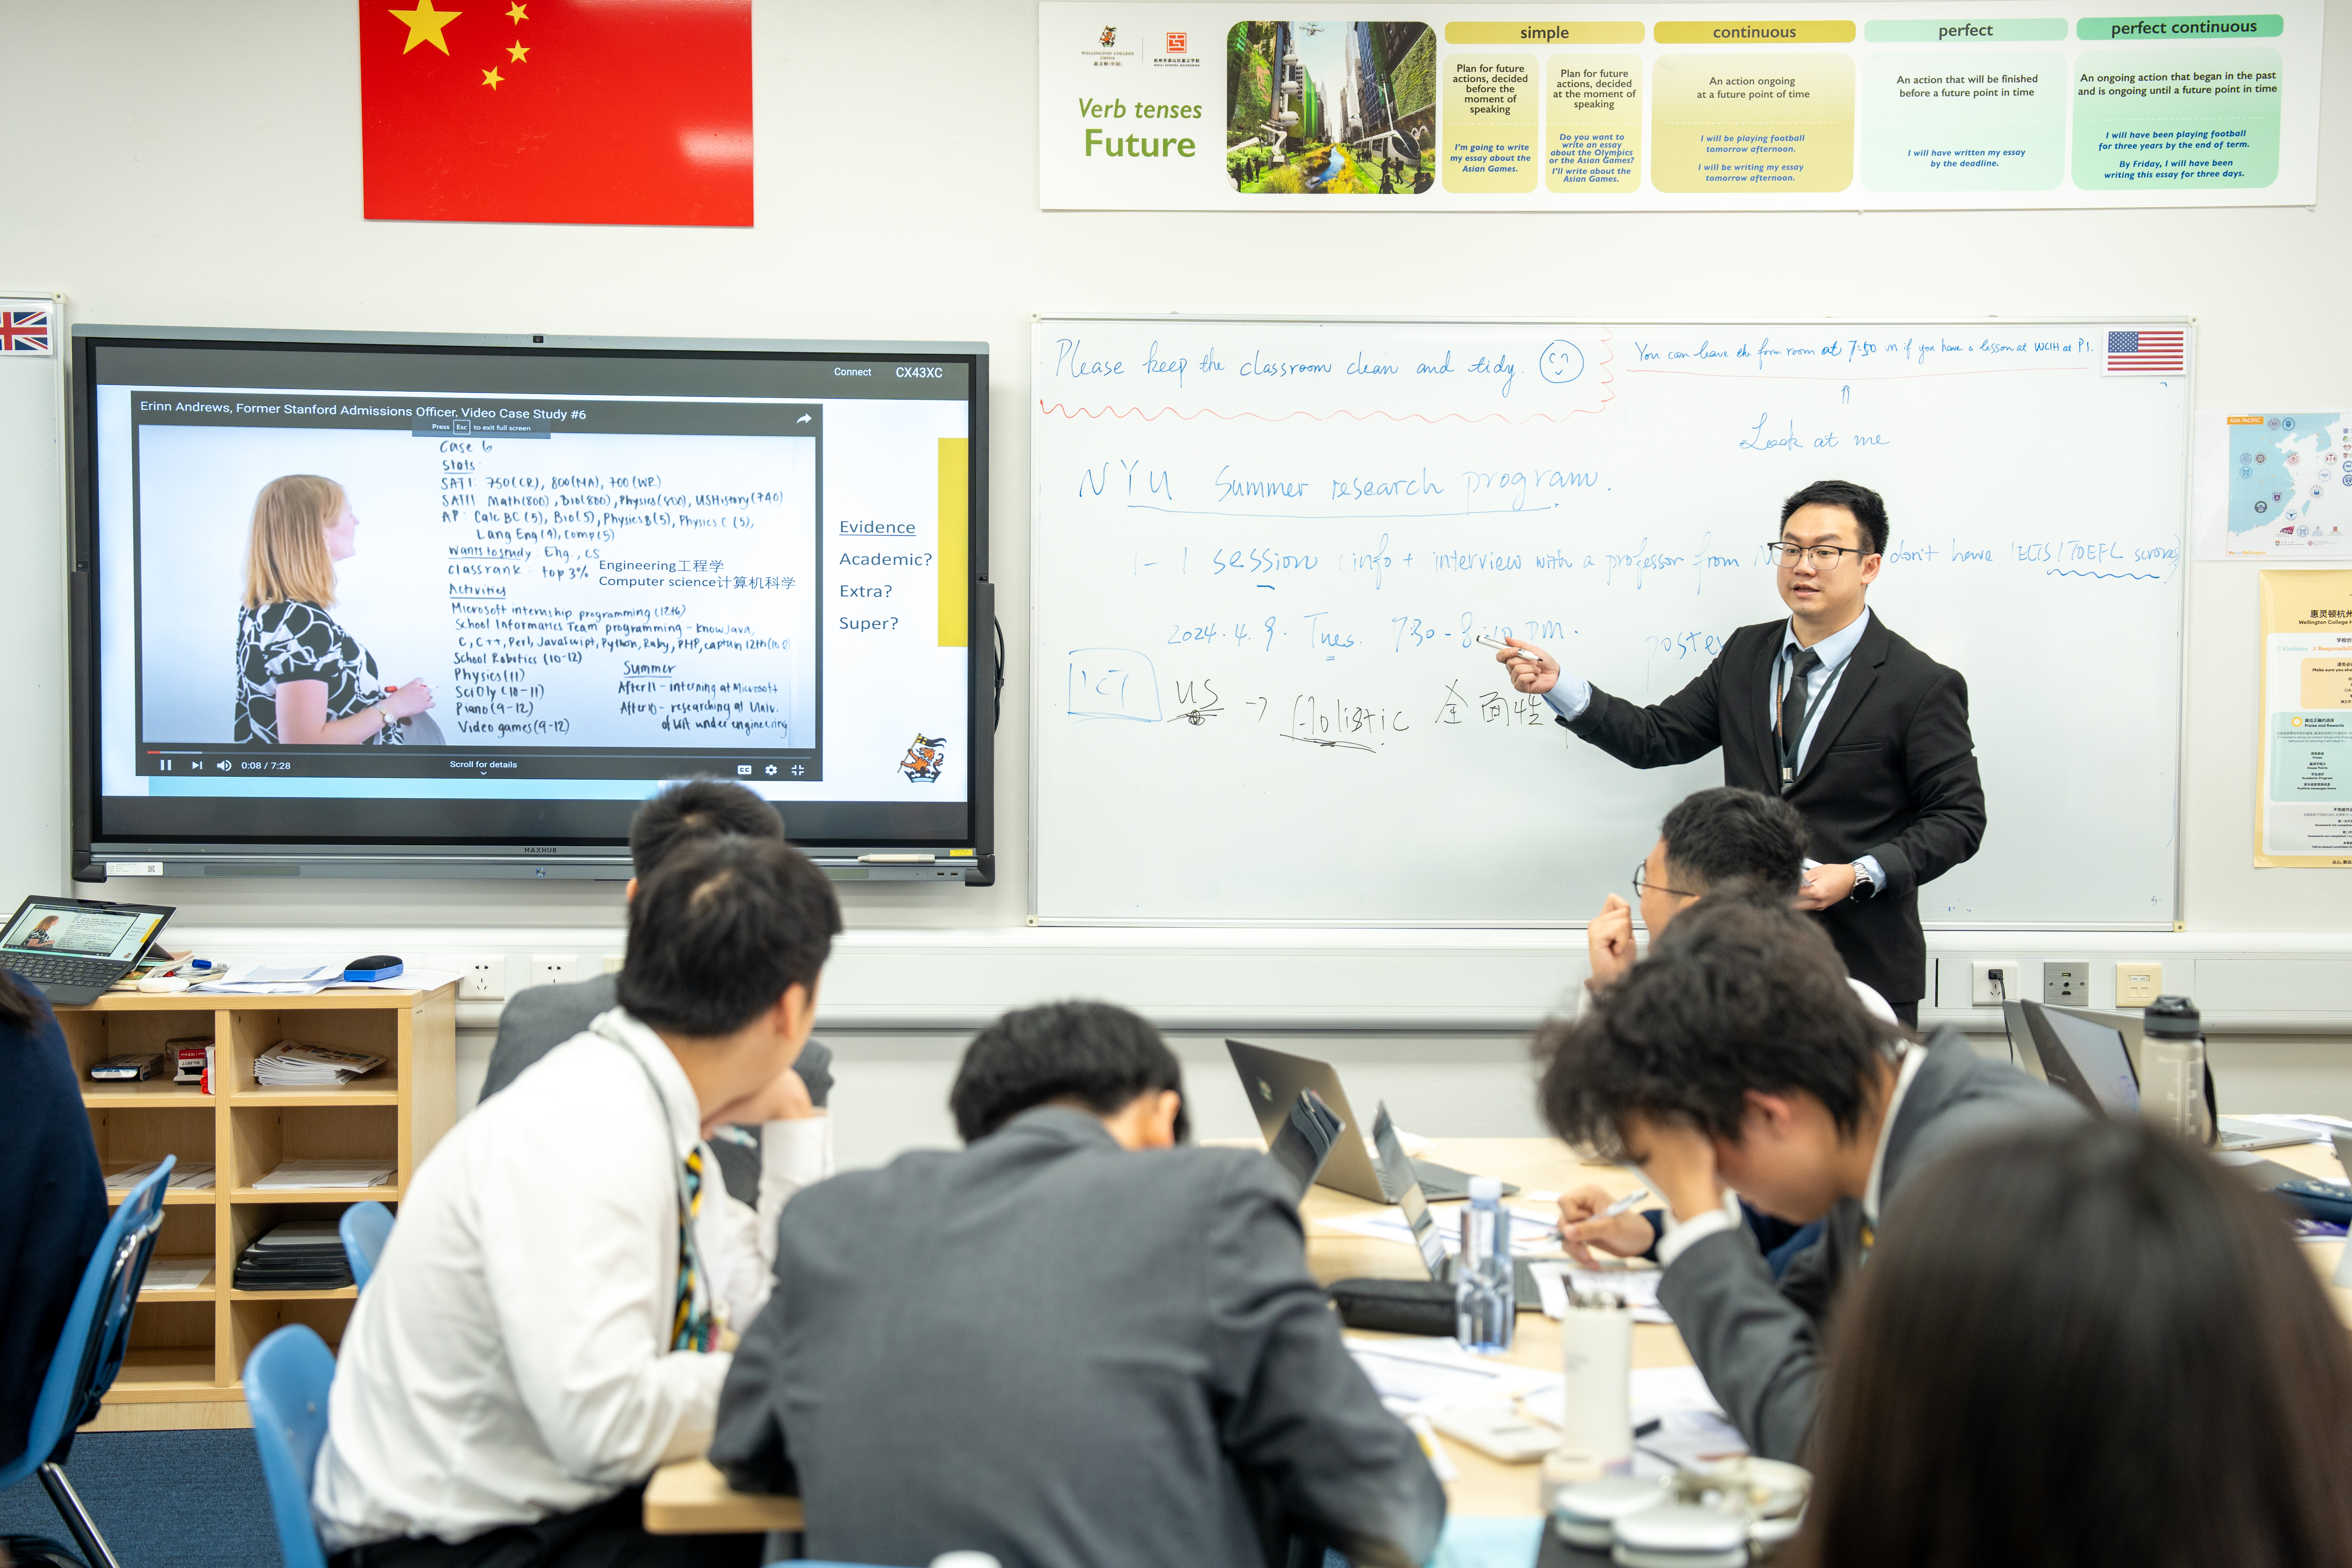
(2172, 1069)
(1484, 1310)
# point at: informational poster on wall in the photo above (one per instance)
(1593, 107)
(2303, 809)
(2273, 486)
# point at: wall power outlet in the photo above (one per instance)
(1992, 981)
(2066, 983)
(481, 979)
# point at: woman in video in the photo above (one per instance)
(302, 680)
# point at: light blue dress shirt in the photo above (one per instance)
(1570, 695)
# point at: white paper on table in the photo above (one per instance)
(1534, 1231)
(1692, 1428)
(1637, 1287)
(2323, 1129)
(1430, 1374)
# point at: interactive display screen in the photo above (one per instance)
(487, 594)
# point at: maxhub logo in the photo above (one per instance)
(920, 372)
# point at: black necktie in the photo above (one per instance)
(1791, 732)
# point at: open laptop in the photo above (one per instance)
(72, 949)
(1308, 1135)
(1528, 1297)
(2088, 1055)
(1273, 1080)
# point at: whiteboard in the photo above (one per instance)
(1262, 551)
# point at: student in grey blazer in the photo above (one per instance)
(1071, 1344)
(536, 1021)
(1735, 1059)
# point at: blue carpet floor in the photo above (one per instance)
(162, 1500)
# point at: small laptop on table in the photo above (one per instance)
(1424, 1219)
(1273, 1080)
(72, 949)
(2088, 1055)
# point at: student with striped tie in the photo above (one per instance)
(549, 1320)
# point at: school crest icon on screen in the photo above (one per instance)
(925, 759)
(1110, 37)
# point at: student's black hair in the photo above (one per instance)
(721, 929)
(1868, 508)
(17, 1009)
(1101, 1055)
(1736, 994)
(694, 810)
(2089, 1345)
(1727, 835)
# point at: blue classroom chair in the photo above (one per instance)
(364, 1227)
(286, 1383)
(89, 1353)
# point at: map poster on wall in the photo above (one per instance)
(1691, 108)
(2273, 486)
(2302, 812)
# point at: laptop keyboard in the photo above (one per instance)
(56, 969)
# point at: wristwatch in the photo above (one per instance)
(383, 716)
(1864, 888)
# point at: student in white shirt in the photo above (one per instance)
(545, 1328)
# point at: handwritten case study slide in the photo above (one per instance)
(1264, 551)
(1906, 104)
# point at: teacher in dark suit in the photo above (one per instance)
(1865, 735)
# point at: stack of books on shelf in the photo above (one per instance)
(298, 1255)
(290, 1063)
(298, 1174)
(187, 1176)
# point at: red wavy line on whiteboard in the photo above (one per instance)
(1608, 396)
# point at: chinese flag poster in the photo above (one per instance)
(558, 110)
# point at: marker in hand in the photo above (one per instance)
(1495, 643)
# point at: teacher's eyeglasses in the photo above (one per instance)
(1824, 557)
(1641, 872)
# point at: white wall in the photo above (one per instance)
(200, 165)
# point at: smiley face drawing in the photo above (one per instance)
(1561, 361)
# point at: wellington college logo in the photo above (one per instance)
(924, 759)
(1110, 37)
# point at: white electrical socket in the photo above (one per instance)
(481, 979)
(1992, 981)
(612, 963)
(554, 968)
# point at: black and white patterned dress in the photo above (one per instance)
(293, 639)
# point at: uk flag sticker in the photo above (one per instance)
(25, 329)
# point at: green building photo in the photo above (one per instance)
(1331, 109)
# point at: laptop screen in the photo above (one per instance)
(1417, 1211)
(81, 933)
(2100, 1058)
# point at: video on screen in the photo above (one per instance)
(600, 579)
(406, 592)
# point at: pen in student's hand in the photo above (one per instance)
(1623, 1204)
(1491, 642)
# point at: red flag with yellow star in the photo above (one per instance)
(557, 110)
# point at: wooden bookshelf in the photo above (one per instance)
(188, 1345)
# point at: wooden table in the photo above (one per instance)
(690, 1497)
